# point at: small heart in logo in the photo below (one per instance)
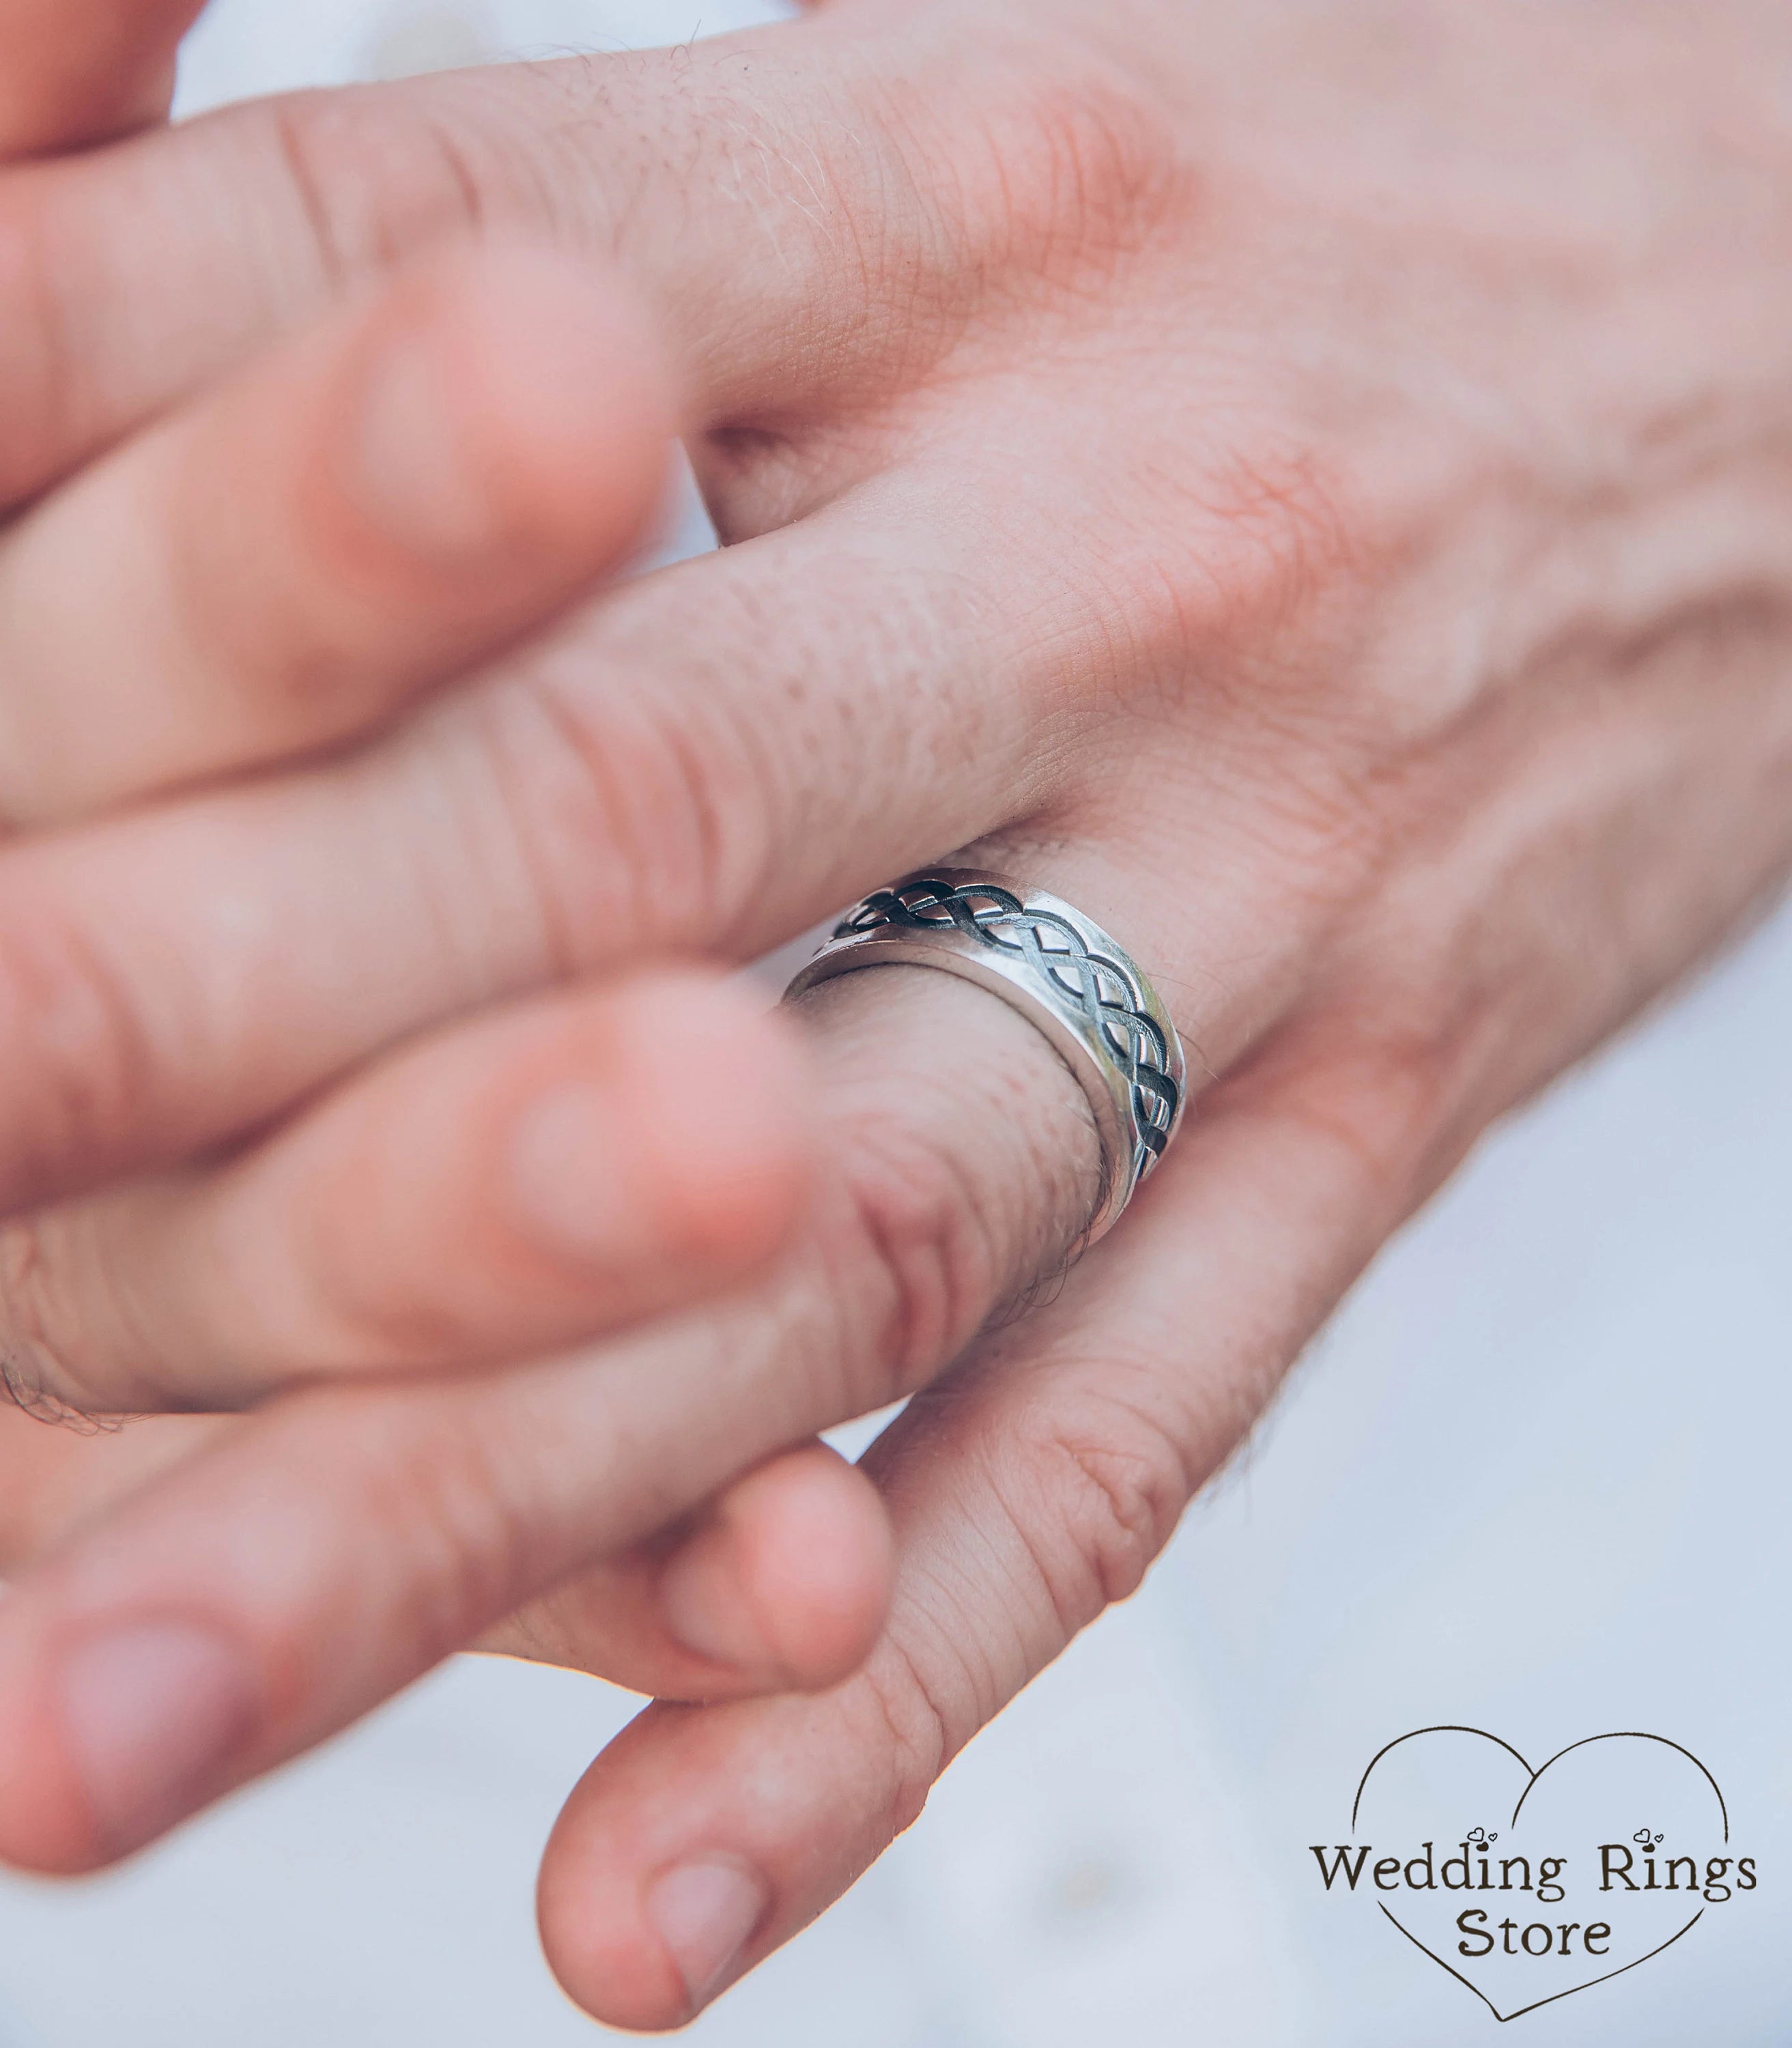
(1568, 1889)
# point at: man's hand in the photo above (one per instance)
(1311, 487)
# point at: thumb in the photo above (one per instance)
(1027, 1491)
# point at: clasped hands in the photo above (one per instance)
(1310, 487)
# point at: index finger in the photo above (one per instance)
(226, 232)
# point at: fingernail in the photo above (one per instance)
(564, 1182)
(705, 1911)
(413, 473)
(154, 1714)
(701, 1604)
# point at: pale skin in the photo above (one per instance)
(1310, 486)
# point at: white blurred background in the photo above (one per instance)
(1533, 1478)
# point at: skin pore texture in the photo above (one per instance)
(1310, 486)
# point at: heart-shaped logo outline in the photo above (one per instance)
(1616, 1735)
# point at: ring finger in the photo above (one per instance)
(710, 760)
(1028, 1490)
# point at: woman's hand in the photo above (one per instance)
(270, 571)
(1309, 486)
(81, 72)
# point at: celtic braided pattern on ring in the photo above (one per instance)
(1070, 969)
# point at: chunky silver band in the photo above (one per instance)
(1062, 972)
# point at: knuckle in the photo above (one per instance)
(904, 198)
(920, 1268)
(1065, 172)
(1293, 532)
(79, 1053)
(373, 178)
(638, 814)
(1112, 1483)
(443, 1501)
(1267, 578)
(1087, 173)
(960, 1185)
(913, 1728)
(1379, 1077)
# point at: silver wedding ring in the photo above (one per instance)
(1062, 972)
